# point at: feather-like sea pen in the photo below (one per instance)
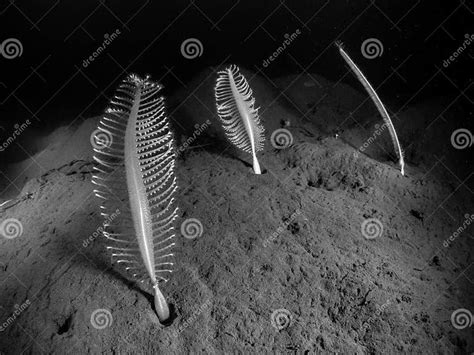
(235, 107)
(134, 171)
(378, 103)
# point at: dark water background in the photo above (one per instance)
(50, 84)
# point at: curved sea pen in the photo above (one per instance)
(135, 174)
(235, 107)
(378, 103)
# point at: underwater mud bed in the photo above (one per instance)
(281, 265)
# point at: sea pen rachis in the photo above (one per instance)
(378, 103)
(135, 174)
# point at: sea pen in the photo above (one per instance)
(134, 170)
(378, 103)
(235, 107)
